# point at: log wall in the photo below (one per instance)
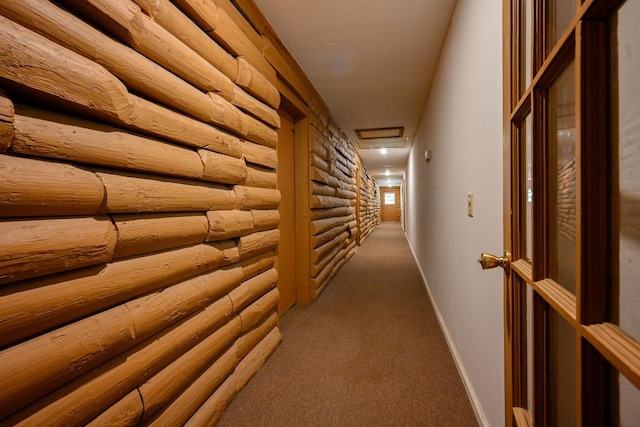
(139, 209)
(370, 212)
(138, 212)
(333, 194)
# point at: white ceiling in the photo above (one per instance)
(372, 61)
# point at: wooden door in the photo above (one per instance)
(572, 155)
(390, 203)
(287, 248)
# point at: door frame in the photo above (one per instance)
(299, 111)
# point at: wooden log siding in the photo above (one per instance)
(370, 213)
(139, 210)
(135, 70)
(7, 112)
(333, 197)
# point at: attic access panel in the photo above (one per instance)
(391, 137)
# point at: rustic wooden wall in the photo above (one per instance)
(370, 212)
(138, 207)
(333, 193)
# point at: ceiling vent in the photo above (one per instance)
(381, 137)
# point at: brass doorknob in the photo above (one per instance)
(492, 261)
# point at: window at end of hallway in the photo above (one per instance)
(389, 198)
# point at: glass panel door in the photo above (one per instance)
(572, 217)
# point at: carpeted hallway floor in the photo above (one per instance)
(368, 352)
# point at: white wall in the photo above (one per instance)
(462, 126)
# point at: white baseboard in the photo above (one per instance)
(475, 403)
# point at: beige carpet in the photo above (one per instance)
(369, 352)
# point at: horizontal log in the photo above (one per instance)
(249, 198)
(223, 169)
(162, 318)
(320, 163)
(32, 61)
(205, 13)
(321, 225)
(324, 237)
(320, 266)
(320, 144)
(316, 174)
(257, 264)
(322, 202)
(228, 224)
(212, 409)
(83, 399)
(145, 193)
(254, 82)
(163, 394)
(251, 105)
(51, 135)
(265, 220)
(331, 212)
(158, 310)
(347, 152)
(165, 123)
(238, 16)
(125, 21)
(319, 285)
(320, 282)
(259, 154)
(260, 177)
(208, 414)
(182, 27)
(261, 133)
(138, 73)
(229, 248)
(319, 252)
(32, 248)
(32, 369)
(260, 352)
(37, 188)
(35, 305)
(231, 254)
(228, 116)
(256, 243)
(252, 289)
(336, 172)
(259, 310)
(229, 35)
(321, 189)
(127, 411)
(238, 70)
(346, 194)
(145, 233)
(7, 112)
(346, 167)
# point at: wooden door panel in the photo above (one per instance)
(287, 245)
(570, 105)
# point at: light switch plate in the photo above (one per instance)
(470, 204)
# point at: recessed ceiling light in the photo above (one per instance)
(383, 151)
(387, 173)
